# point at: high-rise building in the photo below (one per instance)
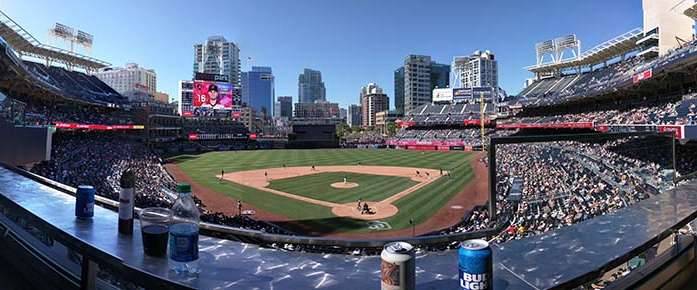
(317, 110)
(343, 114)
(399, 90)
(218, 56)
(186, 97)
(354, 116)
(373, 100)
(311, 87)
(258, 89)
(417, 82)
(132, 81)
(421, 76)
(285, 107)
(477, 70)
(440, 75)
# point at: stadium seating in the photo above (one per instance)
(615, 76)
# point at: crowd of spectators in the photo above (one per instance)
(468, 136)
(38, 113)
(99, 159)
(448, 114)
(647, 113)
(567, 182)
(364, 137)
(42, 115)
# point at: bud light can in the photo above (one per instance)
(398, 267)
(84, 205)
(475, 264)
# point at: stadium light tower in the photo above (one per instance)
(68, 33)
(565, 43)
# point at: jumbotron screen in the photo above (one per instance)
(213, 95)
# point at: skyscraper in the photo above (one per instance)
(417, 82)
(258, 89)
(343, 113)
(311, 87)
(373, 100)
(440, 75)
(285, 106)
(399, 90)
(477, 70)
(354, 116)
(218, 56)
(421, 76)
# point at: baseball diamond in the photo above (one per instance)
(317, 192)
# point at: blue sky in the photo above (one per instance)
(353, 42)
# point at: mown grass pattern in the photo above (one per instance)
(419, 205)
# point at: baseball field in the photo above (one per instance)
(316, 192)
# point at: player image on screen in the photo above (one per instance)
(212, 95)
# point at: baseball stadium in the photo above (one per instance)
(584, 179)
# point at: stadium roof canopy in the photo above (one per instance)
(601, 53)
(25, 44)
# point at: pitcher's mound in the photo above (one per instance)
(343, 185)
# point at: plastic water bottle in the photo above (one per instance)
(183, 233)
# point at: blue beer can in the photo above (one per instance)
(84, 205)
(476, 265)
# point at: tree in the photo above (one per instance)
(342, 129)
(391, 128)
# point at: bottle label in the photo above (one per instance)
(126, 204)
(183, 242)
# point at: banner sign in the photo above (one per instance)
(97, 127)
(645, 75)
(212, 77)
(563, 125)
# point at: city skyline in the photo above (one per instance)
(346, 63)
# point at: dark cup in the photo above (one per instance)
(154, 227)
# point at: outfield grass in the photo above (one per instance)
(419, 205)
(317, 186)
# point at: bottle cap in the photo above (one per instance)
(183, 187)
(128, 179)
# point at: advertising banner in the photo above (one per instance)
(645, 75)
(462, 94)
(97, 127)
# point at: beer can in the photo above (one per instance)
(475, 265)
(84, 204)
(398, 267)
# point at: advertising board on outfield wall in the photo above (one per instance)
(96, 127)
